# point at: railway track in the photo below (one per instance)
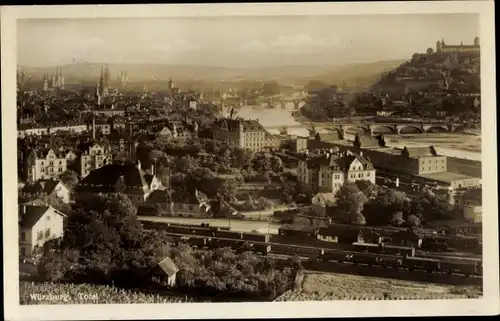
(313, 253)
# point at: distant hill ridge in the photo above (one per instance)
(296, 74)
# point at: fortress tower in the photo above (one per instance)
(441, 46)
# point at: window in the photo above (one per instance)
(47, 232)
(23, 236)
(48, 217)
(39, 235)
(23, 251)
(60, 169)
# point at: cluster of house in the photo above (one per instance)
(326, 161)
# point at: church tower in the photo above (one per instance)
(476, 41)
(98, 95)
(438, 46)
(100, 87)
(45, 82)
(61, 79)
(105, 89)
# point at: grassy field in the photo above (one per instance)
(332, 286)
(51, 293)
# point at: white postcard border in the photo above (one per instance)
(489, 304)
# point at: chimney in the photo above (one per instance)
(152, 169)
(361, 154)
(24, 209)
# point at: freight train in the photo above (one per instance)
(372, 254)
(384, 248)
(411, 263)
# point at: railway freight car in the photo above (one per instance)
(421, 264)
(398, 250)
(337, 256)
(263, 249)
(367, 247)
(256, 237)
(229, 234)
(198, 242)
(464, 267)
(367, 258)
(154, 225)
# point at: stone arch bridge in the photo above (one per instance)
(381, 128)
(282, 102)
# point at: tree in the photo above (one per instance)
(358, 219)
(429, 51)
(380, 209)
(368, 188)
(350, 200)
(69, 178)
(271, 88)
(315, 85)
(397, 218)
(413, 221)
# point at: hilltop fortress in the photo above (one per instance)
(442, 47)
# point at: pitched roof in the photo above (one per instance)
(29, 215)
(417, 152)
(367, 141)
(109, 177)
(168, 266)
(46, 186)
(340, 162)
(234, 124)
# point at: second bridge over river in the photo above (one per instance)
(374, 128)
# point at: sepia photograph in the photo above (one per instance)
(256, 156)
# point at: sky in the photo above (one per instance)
(239, 41)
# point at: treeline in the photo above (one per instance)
(365, 203)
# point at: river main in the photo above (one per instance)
(459, 145)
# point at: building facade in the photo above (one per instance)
(95, 157)
(242, 133)
(128, 179)
(410, 161)
(325, 171)
(44, 163)
(441, 46)
(38, 224)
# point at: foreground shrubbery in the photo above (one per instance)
(105, 244)
(224, 272)
(59, 293)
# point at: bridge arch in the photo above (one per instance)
(360, 130)
(437, 129)
(410, 129)
(384, 129)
